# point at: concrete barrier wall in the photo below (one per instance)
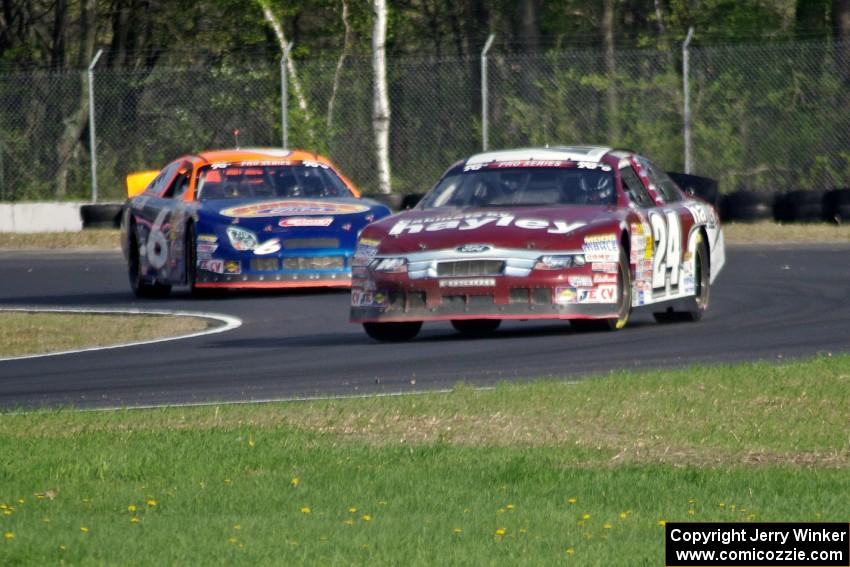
(40, 217)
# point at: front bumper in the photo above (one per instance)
(270, 272)
(395, 298)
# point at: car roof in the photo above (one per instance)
(259, 154)
(559, 153)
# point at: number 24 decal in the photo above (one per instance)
(667, 233)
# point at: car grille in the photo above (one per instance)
(314, 263)
(308, 243)
(470, 268)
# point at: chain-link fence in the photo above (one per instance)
(766, 117)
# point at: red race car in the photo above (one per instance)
(583, 233)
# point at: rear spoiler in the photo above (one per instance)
(703, 187)
(138, 181)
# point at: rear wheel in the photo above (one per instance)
(476, 327)
(141, 286)
(392, 332)
(702, 280)
(624, 302)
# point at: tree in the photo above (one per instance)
(381, 103)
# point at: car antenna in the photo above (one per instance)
(236, 137)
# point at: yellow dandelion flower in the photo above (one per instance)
(510, 506)
(571, 551)
(39, 496)
(3, 506)
(237, 527)
(305, 510)
(457, 530)
(585, 516)
(580, 522)
(241, 546)
(232, 540)
(523, 530)
(624, 515)
(722, 504)
(46, 520)
(295, 481)
(691, 501)
(21, 500)
(352, 510)
(134, 520)
(751, 517)
(662, 522)
(500, 511)
(571, 501)
(349, 522)
(7, 512)
(131, 508)
(691, 512)
(251, 442)
(500, 531)
(366, 518)
(151, 503)
(227, 481)
(607, 526)
(84, 529)
(62, 547)
(9, 535)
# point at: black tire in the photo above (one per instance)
(624, 306)
(746, 206)
(104, 215)
(699, 303)
(476, 327)
(392, 332)
(703, 187)
(836, 205)
(800, 206)
(141, 286)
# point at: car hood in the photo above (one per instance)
(284, 215)
(543, 228)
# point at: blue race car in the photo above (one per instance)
(245, 218)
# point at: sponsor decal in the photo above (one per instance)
(216, 266)
(473, 221)
(607, 267)
(689, 284)
(580, 281)
(232, 267)
(293, 207)
(206, 248)
(368, 298)
(364, 253)
(604, 278)
(599, 294)
(472, 248)
(369, 242)
(270, 246)
(469, 282)
(601, 248)
(207, 238)
(565, 295)
(701, 214)
(305, 221)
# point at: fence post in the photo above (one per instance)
(484, 93)
(284, 95)
(92, 137)
(686, 114)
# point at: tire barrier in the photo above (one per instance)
(746, 206)
(799, 206)
(836, 205)
(102, 215)
(703, 187)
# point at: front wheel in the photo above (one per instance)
(141, 286)
(392, 332)
(624, 303)
(476, 327)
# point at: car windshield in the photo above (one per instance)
(496, 186)
(252, 180)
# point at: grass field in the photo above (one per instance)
(39, 332)
(736, 233)
(545, 473)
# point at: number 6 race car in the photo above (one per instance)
(579, 233)
(242, 219)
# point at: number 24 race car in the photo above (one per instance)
(250, 218)
(580, 233)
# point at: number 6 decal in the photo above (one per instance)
(667, 234)
(157, 245)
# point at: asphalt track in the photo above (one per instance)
(771, 303)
